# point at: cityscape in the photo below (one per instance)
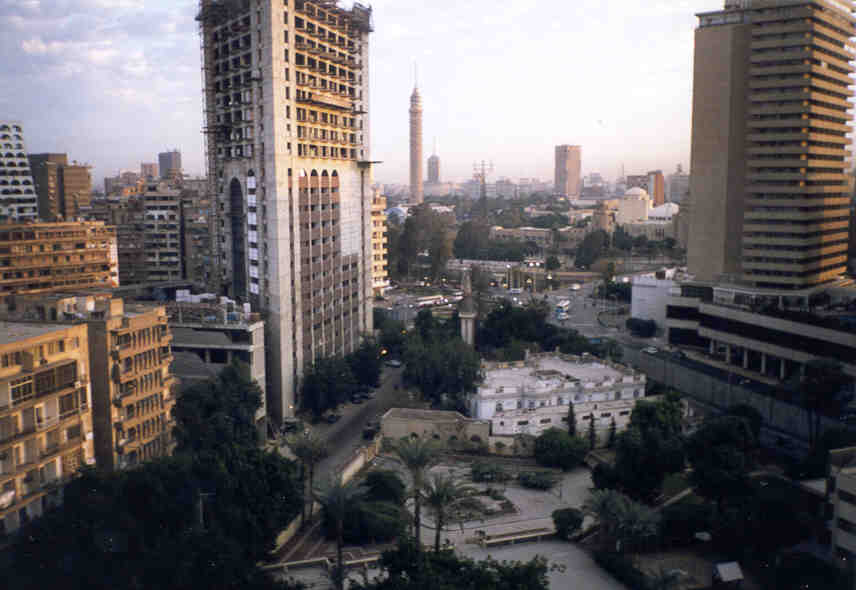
(354, 311)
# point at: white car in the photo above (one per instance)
(650, 350)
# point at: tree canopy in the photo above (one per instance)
(557, 448)
(719, 454)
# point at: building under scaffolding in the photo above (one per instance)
(287, 140)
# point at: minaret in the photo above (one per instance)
(416, 194)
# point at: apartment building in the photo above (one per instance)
(380, 256)
(197, 241)
(49, 257)
(64, 190)
(531, 396)
(208, 336)
(169, 163)
(129, 359)
(772, 89)
(286, 108)
(45, 416)
(18, 201)
(538, 235)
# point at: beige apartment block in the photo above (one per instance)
(45, 416)
(50, 257)
(380, 256)
(771, 96)
(286, 99)
(129, 359)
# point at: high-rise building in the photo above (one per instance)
(770, 124)
(380, 256)
(45, 416)
(51, 257)
(568, 170)
(656, 187)
(64, 190)
(18, 201)
(169, 164)
(434, 168)
(678, 185)
(149, 171)
(287, 128)
(417, 194)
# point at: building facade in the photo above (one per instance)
(50, 257)
(64, 190)
(434, 169)
(568, 170)
(45, 417)
(216, 334)
(380, 254)
(678, 185)
(129, 362)
(286, 107)
(770, 123)
(18, 200)
(169, 164)
(529, 397)
(417, 193)
(149, 171)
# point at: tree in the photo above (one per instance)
(385, 485)
(821, 382)
(623, 522)
(218, 412)
(326, 384)
(406, 568)
(552, 263)
(567, 522)
(572, 419)
(442, 494)
(641, 328)
(591, 248)
(556, 448)
(417, 456)
(592, 435)
(337, 499)
(612, 431)
(719, 455)
(440, 250)
(309, 450)
(752, 416)
(365, 362)
(664, 579)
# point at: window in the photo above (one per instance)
(617, 395)
(532, 404)
(523, 423)
(546, 420)
(498, 406)
(73, 432)
(519, 405)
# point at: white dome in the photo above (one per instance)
(665, 210)
(637, 193)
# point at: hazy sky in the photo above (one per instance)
(113, 82)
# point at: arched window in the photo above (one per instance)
(498, 406)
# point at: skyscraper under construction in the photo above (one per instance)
(286, 93)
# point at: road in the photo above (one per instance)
(346, 435)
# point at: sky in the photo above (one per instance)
(114, 82)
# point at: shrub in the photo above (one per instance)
(567, 522)
(557, 448)
(490, 472)
(682, 521)
(623, 569)
(604, 477)
(386, 486)
(537, 480)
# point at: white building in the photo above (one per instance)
(529, 397)
(18, 201)
(651, 295)
(634, 206)
(665, 212)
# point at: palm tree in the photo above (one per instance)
(622, 521)
(442, 493)
(336, 499)
(309, 450)
(418, 456)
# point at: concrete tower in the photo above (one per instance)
(287, 127)
(568, 165)
(434, 167)
(416, 192)
(771, 118)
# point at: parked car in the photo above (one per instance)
(333, 418)
(370, 394)
(650, 350)
(356, 398)
(394, 363)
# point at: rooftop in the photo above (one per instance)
(549, 372)
(430, 415)
(16, 331)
